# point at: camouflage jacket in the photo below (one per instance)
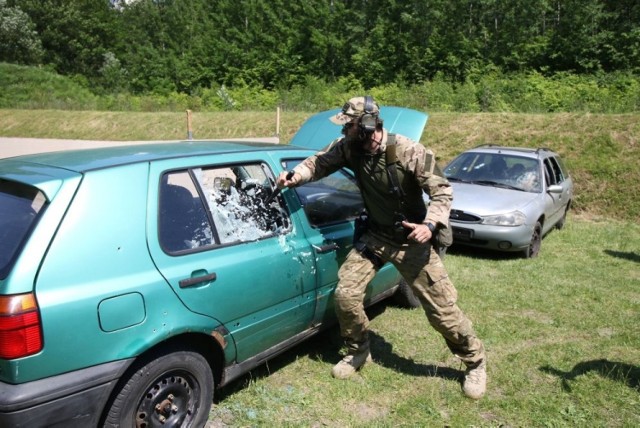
(416, 169)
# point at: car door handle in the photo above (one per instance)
(190, 282)
(326, 248)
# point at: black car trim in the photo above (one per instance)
(74, 397)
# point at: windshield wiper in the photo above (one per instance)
(496, 184)
(485, 182)
(460, 180)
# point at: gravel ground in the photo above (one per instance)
(10, 147)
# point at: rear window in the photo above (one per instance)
(20, 207)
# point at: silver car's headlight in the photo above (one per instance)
(514, 218)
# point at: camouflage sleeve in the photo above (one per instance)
(323, 163)
(422, 163)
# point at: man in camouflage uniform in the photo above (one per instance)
(399, 232)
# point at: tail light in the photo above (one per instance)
(20, 330)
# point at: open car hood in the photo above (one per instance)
(317, 131)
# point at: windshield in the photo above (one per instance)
(496, 169)
(20, 206)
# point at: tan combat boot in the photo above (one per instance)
(349, 364)
(475, 380)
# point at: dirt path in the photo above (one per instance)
(10, 147)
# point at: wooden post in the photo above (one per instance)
(189, 129)
(278, 122)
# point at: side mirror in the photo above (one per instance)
(555, 188)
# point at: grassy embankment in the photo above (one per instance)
(602, 151)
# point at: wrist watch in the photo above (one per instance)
(432, 227)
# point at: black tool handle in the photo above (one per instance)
(275, 192)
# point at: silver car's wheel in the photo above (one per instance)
(404, 296)
(563, 220)
(536, 241)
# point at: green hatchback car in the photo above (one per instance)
(135, 280)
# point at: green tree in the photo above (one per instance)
(196, 46)
(623, 47)
(579, 36)
(512, 33)
(19, 41)
(75, 34)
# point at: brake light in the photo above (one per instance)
(20, 332)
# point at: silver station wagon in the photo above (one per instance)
(507, 198)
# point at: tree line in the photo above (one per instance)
(165, 46)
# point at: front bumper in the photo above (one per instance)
(501, 238)
(74, 399)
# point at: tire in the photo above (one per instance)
(442, 251)
(536, 241)
(171, 389)
(404, 296)
(560, 224)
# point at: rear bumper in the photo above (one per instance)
(74, 399)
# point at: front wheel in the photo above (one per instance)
(536, 241)
(171, 389)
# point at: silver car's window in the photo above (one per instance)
(332, 199)
(20, 208)
(205, 207)
(554, 172)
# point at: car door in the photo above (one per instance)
(558, 191)
(226, 254)
(329, 207)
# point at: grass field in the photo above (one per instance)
(561, 330)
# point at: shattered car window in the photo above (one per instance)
(218, 206)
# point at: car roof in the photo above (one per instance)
(99, 158)
(519, 151)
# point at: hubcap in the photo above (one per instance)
(169, 402)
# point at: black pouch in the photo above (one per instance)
(443, 237)
(360, 227)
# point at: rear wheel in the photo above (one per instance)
(563, 220)
(404, 296)
(172, 389)
(442, 251)
(536, 242)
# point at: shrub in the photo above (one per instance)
(485, 90)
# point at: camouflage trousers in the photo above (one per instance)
(423, 270)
